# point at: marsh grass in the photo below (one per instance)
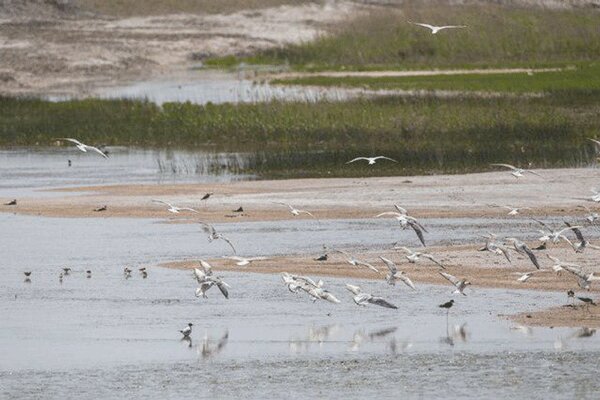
(496, 36)
(425, 134)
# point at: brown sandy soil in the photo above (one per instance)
(483, 269)
(70, 53)
(559, 193)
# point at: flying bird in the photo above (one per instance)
(554, 235)
(206, 280)
(361, 298)
(394, 274)
(512, 210)
(460, 284)
(559, 265)
(214, 235)
(435, 29)
(295, 211)
(516, 172)
(522, 248)
(371, 160)
(580, 246)
(592, 216)
(173, 209)
(414, 256)
(242, 261)
(493, 246)
(356, 262)
(84, 147)
(584, 279)
(206, 196)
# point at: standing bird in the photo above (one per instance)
(173, 209)
(414, 256)
(84, 147)
(435, 29)
(394, 274)
(11, 203)
(361, 298)
(571, 295)
(516, 172)
(371, 160)
(127, 272)
(460, 284)
(187, 331)
(295, 211)
(447, 305)
(214, 235)
(522, 248)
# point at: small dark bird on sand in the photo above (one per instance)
(206, 196)
(11, 203)
(322, 258)
(100, 209)
(239, 210)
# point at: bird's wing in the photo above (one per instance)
(97, 150)
(385, 158)
(534, 173)
(432, 258)
(381, 302)
(208, 228)
(206, 266)
(575, 271)
(366, 264)
(531, 256)
(306, 212)
(199, 275)
(229, 243)
(505, 165)
(406, 250)
(452, 26)
(410, 219)
(257, 258)
(356, 159)
(189, 209)
(77, 142)
(235, 258)
(576, 231)
(162, 202)
(223, 288)
(390, 264)
(406, 281)
(504, 251)
(543, 224)
(556, 260)
(400, 209)
(595, 141)
(353, 288)
(418, 231)
(559, 233)
(451, 278)
(424, 25)
(388, 213)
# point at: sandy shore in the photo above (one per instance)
(561, 192)
(483, 269)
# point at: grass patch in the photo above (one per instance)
(426, 135)
(497, 35)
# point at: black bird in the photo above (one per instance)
(69, 163)
(571, 295)
(27, 273)
(541, 247)
(239, 210)
(103, 208)
(11, 203)
(322, 258)
(447, 305)
(89, 273)
(207, 195)
(66, 271)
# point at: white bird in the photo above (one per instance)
(493, 246)
(394, 274)
(524, 276)
(580, 246)
(84, 147)
(242, 261)
(435, 29)
(295, 211)
(174, 209)
(356, 262)
(214, 235)
(522, 248)
(554, 235)
(187, 331)
(584, 279)
(206, 280)
(361, 298)
(371, 160)
(206, 267)
(559, 265)
(414, 256)
(313, 289)
(516, 172)
(512, 210)
(592, 215)
(460, 284)
(405, 221)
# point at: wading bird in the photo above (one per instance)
(187, 331)
(371, 160)
(435, 29)
(84, 147)
(361, 298)
(11, 203)
(516, 172)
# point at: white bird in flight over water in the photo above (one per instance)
(394, 274)
(361, 298)
(175, 209)
(242, 261)
(414, 256)
(512, 210)
(371, 160)
(295, 211)
(84, 147)
(356, 262)
(460, 284)
(435, 29)
(516, 172)
(522, 248)
(214, 235)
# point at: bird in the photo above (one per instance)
(587, 301)
(100, 209)
(571, 295)
(371, 160)
(414, 256)
(493, 246)
(322, 257)
(11, 203)
(592, 215)
(295, 211)
(580, 246)
(551, 234)
(584, 280)
(314, 289)
(127, 272)
(512, 210)
(394, 274)
(460, 284)
(84, 147)
(559, 265)
(206, 196)
(522, 248)
(435, 29)
(242, 261)
(27, 276)
(187, 331)
(66, 271)
(173, 209)
(406, 221)
(596, 142)
(361, 298)
(88, 273)
(516, 172)
(214, 235)
(206, 280)
(239, 210)
(447, 305)
(524, 276)
(356, 262)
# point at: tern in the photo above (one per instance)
(371, 160)
(516, 172)
(361, 298)
(242, 261)
(524, 276)
(414, 256)
(356, 262)
(512, 210)
(460, 284)
(580, 246)
(522, 248)
(554, 235)
(559, 265)
(187, 331)
(214, 235)
(405, 221)
(394, 274)
(84, 147)
(206, 280)
(173, 209)
(435, 29)
(494, 247)
(584, 279)
(295, 211)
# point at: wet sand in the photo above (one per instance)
(561, 192)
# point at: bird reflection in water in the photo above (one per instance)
(360, 337)
(187, 340)
(315, 335)
(210, 347)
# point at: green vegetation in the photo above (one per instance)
(496, 36)
(427, 135)
(584, 78)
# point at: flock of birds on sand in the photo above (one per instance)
(315, 290)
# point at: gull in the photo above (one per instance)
(371, 160)
(559, 265)
(206, 280)
(214, 235)
(522, 248)
(84, 147)
(414, 256)
(524, 276)
(592, 215)
(394, 274)
(595, 198)
(584, 279)
(580, 246)
(555, 235)
(361, 298)
(174, 209)
(516, 172)
(313, 289)
(460, 284)
(435, 29)
(405, 221)
(355, 262)
(512, 210)
(494, 247)
(187, 331)
(242, 261)
(295, 211)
